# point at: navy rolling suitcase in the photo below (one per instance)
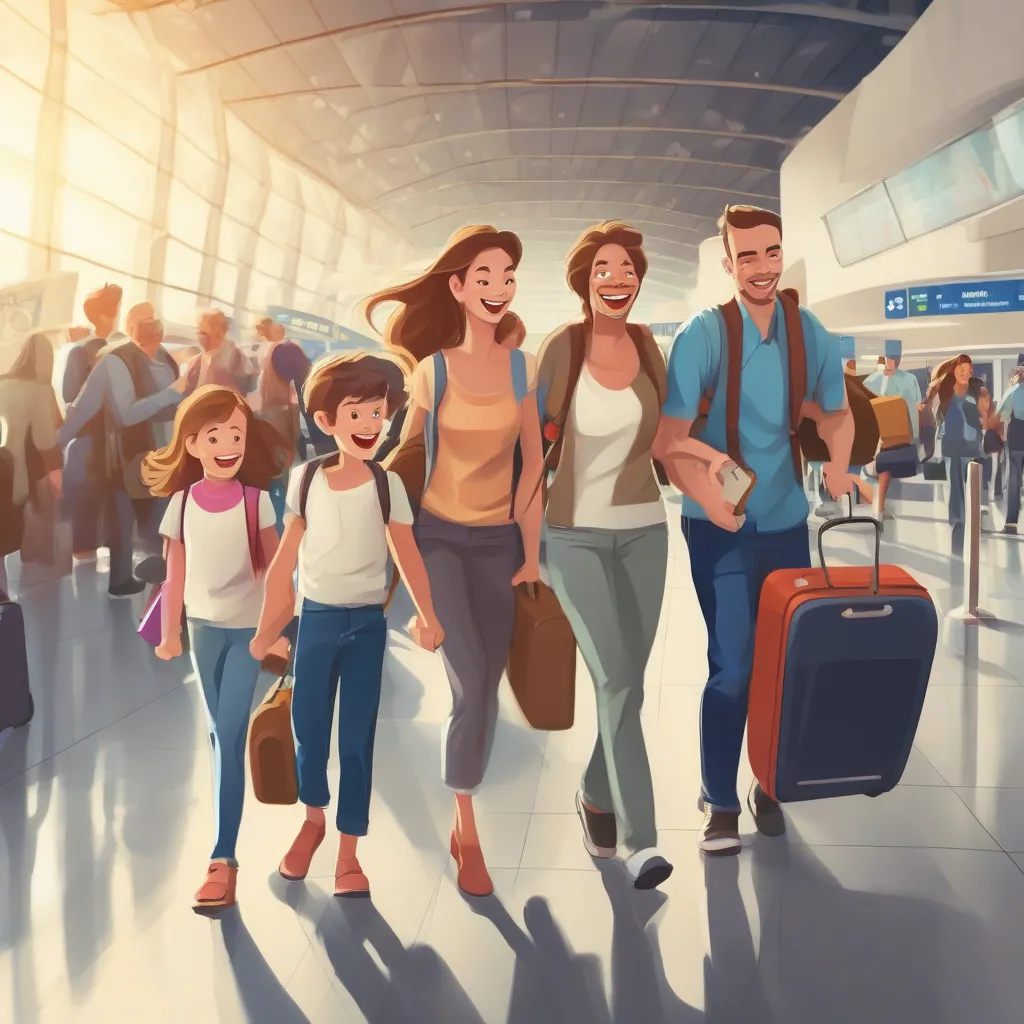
(842, 658)
(900, 462)
(16, 707)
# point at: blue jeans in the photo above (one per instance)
(728, 571)
(85, 494)
(121, 517)
(227, 673)
(338, 645)
(956, 474)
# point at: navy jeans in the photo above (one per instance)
(728, 571)
(1014, 481)
(335, 645)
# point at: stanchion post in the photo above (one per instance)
(969, 610)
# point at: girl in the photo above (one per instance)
(477, 537)
(607, 540)
(29, 419)
(960, 430)
(220, 532)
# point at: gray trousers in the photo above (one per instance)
(610, 584)
(470, 570)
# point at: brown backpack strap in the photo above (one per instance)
(797, 373)
(577, 357)
(733, 354)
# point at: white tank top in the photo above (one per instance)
(605, 426)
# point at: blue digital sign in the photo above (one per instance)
(896, 304)
(298, 320)
(955, 299)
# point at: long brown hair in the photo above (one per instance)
(429, 317)
(34, 361)
(943, 382)
(580, 261)
(171, 469)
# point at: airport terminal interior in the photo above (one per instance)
(277, 162)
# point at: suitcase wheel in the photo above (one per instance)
(31, 713)
(877, 792)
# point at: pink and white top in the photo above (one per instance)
(221, 586)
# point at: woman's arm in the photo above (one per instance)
(530, 514)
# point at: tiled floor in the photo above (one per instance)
(905, 908)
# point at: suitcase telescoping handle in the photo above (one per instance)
(852, 520)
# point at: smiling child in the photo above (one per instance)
(344, 513)
(219, 535)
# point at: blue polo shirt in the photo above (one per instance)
(777, 501)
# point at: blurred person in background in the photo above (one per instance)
(85, 455)
(136, 388)
(992, 446)
(278, 401)
(220, 361)
(1011, 413)
(960, 431)
(890, 381)
(28, 436)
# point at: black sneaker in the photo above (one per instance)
(648, 869)
(720, 836)
(600, 836)
(768, 816)
(129, 589)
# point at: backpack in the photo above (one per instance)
(380, 480)
(805, 442)
(553, 431)
(413, 461)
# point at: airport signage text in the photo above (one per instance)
(955, 299)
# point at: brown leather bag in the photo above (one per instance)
(542, 659)
(272, 748)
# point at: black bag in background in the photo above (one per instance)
(16, 706)
(935, 470)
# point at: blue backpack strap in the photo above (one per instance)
(431, 432)
(520, 384)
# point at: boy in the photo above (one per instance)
(343, 515)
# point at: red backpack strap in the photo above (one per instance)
(733, 354)
(797, 373)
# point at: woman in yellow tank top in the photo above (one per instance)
(477, 540)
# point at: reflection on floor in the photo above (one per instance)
(905, 908)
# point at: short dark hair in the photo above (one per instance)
(359, 375)
(744, 218)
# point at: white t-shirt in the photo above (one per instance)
(343, 558)
(220, 585)
(605, 425)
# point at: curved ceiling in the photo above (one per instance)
(543, 117)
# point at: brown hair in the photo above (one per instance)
(358, 375)
(744, 218)
(171, 469)
(105, 301)
(580, 261)
(1016, 375)
(34, 361)
(511, 330)
(429, 317)
(943, 382)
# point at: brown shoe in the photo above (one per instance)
(720, 836)
(349, 880)
(295, 865)
(473, 877)
(599, 830)
(219, 888)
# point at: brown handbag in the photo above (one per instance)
(542, 659)
(272, 748)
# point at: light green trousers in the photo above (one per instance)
(610, 584)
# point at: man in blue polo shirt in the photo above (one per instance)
(730, 556)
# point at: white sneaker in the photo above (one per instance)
(648, 869)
